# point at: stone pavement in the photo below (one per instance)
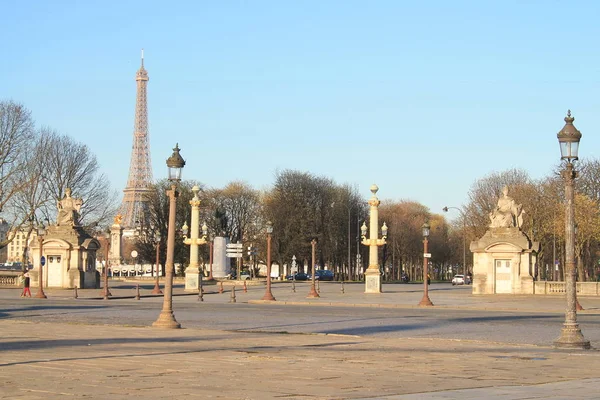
(64, 360)
(58, 361)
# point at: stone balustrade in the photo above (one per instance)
(559, 288)
(9, 278)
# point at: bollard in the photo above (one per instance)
(294, 286)
(232, 299)
(201, 294)
(137, 291)
(342, 289)
(221, 287)
(75, 292)
(245, 287)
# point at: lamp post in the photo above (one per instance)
(268, 295)
(166, 319)
(464, 236)
(568, 138)
(156, 289)
(210, 259)
(41, 232)
(372, 274)
(193, 278)
(425, 301)
(106, 293)
(313, 291)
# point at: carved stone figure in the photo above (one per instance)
(220, 222)
(118, 219)
(68, 210)
(507, 213)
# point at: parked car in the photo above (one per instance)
(458, 280)
(298, 276)
(322, 275)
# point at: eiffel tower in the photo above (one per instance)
(135, 204)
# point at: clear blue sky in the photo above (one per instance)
(422, 98)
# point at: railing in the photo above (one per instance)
(9, 278)
(559, 288)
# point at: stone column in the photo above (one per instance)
(116, 237)
(192, 272)
(220, 260)
(372, 274)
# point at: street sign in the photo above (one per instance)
(427, 255)
(234, 246)
(233, 255)
(43, 261)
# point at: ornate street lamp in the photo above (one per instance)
(166, 319)
(313, 290)
(268, 294)
(425, 301)
(373, 274)
(156, 289)
(41, 232)
(193, 277)
(568, 138)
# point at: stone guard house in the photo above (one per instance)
(69, 251)
(504, 258)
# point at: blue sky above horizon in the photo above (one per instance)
(422, 98)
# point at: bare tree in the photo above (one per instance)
(65, 163)
(239, 205)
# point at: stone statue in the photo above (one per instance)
(220, 222)
(507, 213)
(68, 210)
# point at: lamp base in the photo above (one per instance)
(313, 294)
(166, 320)
(425, 302)
(372, 281)
(571, 338)
(268, 296)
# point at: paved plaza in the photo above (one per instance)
(341, 346)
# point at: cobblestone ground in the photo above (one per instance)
(366, 348)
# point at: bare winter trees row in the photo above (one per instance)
(38, 165)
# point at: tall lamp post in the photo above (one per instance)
(193, 278)
(166, 319)
(105, 292)
(41, 232)
(210, 259)
(372, 274)
(156, 289)
(313, 290)
(464, 236)
(568, 138)
(425, 301)
(268, 294)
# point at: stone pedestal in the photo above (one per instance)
(193, 277)
(116, 241)
(220, 260)
(503, 262)
(372, 280)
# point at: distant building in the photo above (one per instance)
(15, 249)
